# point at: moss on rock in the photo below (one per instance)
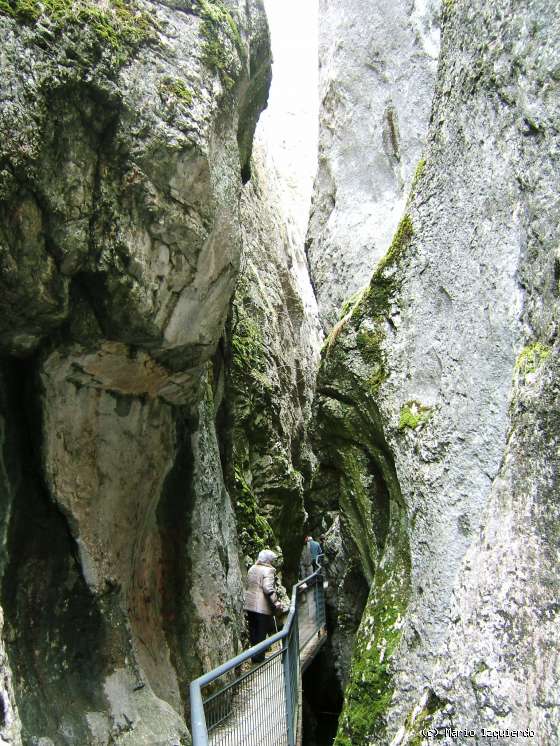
(363, 325)
(177, 89)
(119, 24)
(371, 687)
(352, 446)
(222, 39)
(400, 242)
(250, 392)
(249, 360)
(264, 482)
(413, 414)
(420, 167)
(254, 530)
(531, 358)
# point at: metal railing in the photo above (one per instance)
(258, 705)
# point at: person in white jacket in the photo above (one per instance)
(261, 599)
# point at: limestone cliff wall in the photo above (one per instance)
(377, 77)
(273, 333)
(273, 339)
(377, 72)
(126, 133)
(438, 402)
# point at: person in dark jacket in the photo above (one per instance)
(311, 551)
(261, 599)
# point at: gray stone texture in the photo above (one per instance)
(377, 72)
(377, 66)
(456, 338)
(273, 334)
(121, 174)
(273, 338)
(125, 132)
(497, 665)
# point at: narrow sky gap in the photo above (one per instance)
(289, 125)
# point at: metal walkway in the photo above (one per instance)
(245, 704)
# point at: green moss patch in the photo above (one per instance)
(350, 303)
(375, 301)
(420, 167)
(249, 360)
(177, 89)
(413, 414)
(119, 24)
(253, 529)
(354, 449)
(370, 689)
(369, 342)
(531, 358)
(400, 242)
(249, 395)
(220, 32)
(367, 311)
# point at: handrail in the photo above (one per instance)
(199, 729)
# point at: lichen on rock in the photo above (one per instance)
(272, 345)
(120, 243)
(460, 331)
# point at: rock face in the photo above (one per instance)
(129, 200)
(273, 340)
(346, 597)
(10, 726)
(128, 417)
(126, 131)
(438, 405)
(273, 333)
(377, 76)
(377, 73)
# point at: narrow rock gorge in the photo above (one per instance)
(170, 405)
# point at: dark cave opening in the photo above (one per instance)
(321, 699)
(347, 590)
(53, 630)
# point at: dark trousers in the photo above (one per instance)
(260, 625)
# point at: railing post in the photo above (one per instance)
(199, 731)
(289, 663)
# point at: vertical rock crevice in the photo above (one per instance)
(272, 342)
(174, 516)
(53, 619)
(356, 468)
